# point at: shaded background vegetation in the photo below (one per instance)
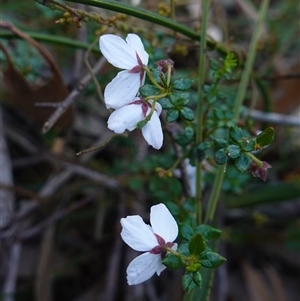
(60, 212)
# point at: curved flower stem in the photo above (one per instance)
(199, 128)
(257, 161)
(177, 162)
(152, 78)
(155, 97)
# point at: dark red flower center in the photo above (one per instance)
(161, 247)
(138, 68)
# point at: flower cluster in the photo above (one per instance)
(121, 93)
(153, 240)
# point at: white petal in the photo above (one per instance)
(152, 131)
(136, 44)
(125, 118)
(136, 234)
(142, 268)
(163, 223)
(122, 89)
(118, 52)
(160, 268)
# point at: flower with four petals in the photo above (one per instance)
(149, 239)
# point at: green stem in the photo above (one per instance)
(214, 197)
(151, 78)
(199, 116)
(257, 161)
(50, 38)
(155, 97)
(250, 59)
(215, 193)
(147, 15)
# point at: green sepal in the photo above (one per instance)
(197, 278)
(197, 244)
(166, 103)
(236, 133)
(220, 143)
(148, 90)
(243, 162)
(187, 114)
(266, 137)
(182, 84)
(173, 262)
(247, 144)
(186, 231)
(211, 260)
(220, 156)
(172, 115)
(233, 151)
(193, 267)
(141, 123)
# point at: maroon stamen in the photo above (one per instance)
(161, 247)
(138, 68)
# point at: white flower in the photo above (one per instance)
(129, 55)
(152, 239)
(127, 117)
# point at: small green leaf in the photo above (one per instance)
(189, 132)
(236, 133)
(187, 282)
(173, 262)
(207, 89)
(197, 278)
(186, 231)
(179, 94)
(187, 114)
(148, 90)
(166, 103)
(183, 249)
(266, 137)
(209, 232)
(233, 151)
(179, 103)
(220, 143)
(214, 64)
(155, 74)
(197, 244)
(204, 145)
(182, 84)
(211, 260)
(141, 124)
(172, 115)
(247, 144)
(243, 162)
(220, 156)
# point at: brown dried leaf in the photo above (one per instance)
(20, 93)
